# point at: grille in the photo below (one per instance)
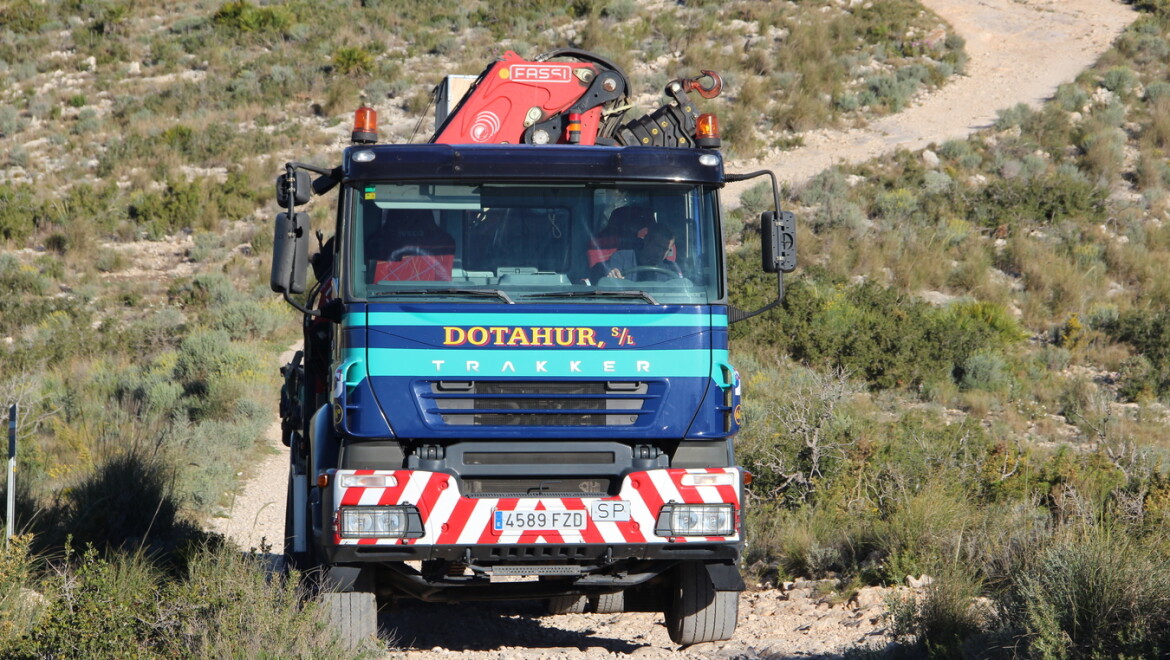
(536, 487)
(573, 403)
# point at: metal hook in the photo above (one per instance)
(706, 91)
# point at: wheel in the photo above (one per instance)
(697, 612)
(608, 603)
(353, 615)
(567, 604)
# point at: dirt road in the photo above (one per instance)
(1020, 50)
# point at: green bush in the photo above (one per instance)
(1094, 594)
(1120, 80)
(1148, 332)
(215, 373)
(97, 608)
(986, 371)
(181, 205)
(1043, 200)
(17, 211)
(1157, 90)
(226, 605)
(352, 61)
(19, 612)
(241, 16)
(1016, 115)
(125, 605)
(881, 335)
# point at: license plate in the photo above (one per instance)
(506, 521)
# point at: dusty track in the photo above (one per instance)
(1020, 50)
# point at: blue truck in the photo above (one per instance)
(515, 380)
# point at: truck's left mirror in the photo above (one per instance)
(299, 186)
(778, 241)
(290, 253)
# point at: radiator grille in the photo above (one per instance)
(568, 403)
(536, 487)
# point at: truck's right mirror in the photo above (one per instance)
(778, 241)
(290, 253)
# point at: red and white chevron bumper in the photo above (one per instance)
(448, 518)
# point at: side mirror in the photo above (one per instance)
(299, 187)
(778, 241)
(290, 252)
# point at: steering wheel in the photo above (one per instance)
(671, 274)
(410, 251)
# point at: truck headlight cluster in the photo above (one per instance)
(379, 522)
(696, 520)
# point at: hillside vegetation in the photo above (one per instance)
(967, 379)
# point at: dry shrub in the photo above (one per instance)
(1157, 134)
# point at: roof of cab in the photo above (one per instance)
(416, 162)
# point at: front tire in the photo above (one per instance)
(697, 612)
(353, 615)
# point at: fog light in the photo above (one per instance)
(367, 522)
(717, 479)
(696, 520)
(368, 481)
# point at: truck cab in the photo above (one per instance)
(515, 381)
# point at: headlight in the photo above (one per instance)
(696, 520)
(366, 522)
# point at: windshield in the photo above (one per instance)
(628, 243)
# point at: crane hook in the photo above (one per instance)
(706, 91)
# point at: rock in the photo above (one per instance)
(867, 597)
(919, 582)
(936, 298)
(930, 159)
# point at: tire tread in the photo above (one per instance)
(353, 615)
(698, 613)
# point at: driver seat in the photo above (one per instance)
(411, 247)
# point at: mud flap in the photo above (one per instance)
(725, 577)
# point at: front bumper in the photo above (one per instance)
(460, 528)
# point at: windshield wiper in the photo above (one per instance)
(495, 293)
(603, 293)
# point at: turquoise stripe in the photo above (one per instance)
(559, 320)
(542, 364)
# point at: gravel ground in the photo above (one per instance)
(1021, 50)
(773, 624)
